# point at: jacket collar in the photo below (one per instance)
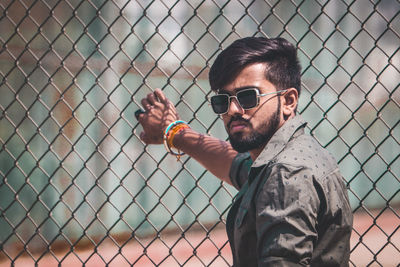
(279, 140)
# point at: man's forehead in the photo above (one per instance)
(251, 76)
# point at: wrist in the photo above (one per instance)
(179, 139)
(172, 130)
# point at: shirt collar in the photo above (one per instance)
(279, 140)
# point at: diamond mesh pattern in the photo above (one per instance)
(79, 187)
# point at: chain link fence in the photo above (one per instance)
(78, 187)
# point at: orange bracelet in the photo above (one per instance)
(169, 134)
(174, 131)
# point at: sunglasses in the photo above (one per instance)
(247, 99)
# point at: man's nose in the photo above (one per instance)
(234, 106)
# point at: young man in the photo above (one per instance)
(292, 206)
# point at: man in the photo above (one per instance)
(292, 207)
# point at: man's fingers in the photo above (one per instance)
(146, 104)
(163, 99)
(138, 112)
(160, 95)
(157, 97)
(152, 98)
(157, 113)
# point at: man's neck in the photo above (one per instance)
(256, 152)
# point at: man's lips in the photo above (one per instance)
(237, 125)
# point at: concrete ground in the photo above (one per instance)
(196, 248)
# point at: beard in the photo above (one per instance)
(258, 137)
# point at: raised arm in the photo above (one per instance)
(214, 154)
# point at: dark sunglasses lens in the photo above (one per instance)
(247, 98)
(220, 103)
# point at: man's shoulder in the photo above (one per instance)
(304, 151)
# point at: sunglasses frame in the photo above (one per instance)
(258, 95)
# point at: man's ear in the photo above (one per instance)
(289, 102)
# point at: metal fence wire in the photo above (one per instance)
(78, 187)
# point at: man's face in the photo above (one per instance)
(250, 130)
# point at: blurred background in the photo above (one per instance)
(78, 187)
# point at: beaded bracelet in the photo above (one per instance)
(169, 135)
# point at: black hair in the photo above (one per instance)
(283, 69)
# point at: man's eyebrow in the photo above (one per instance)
(238, 89)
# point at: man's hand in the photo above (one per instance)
(158, 113)
(215, 155)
